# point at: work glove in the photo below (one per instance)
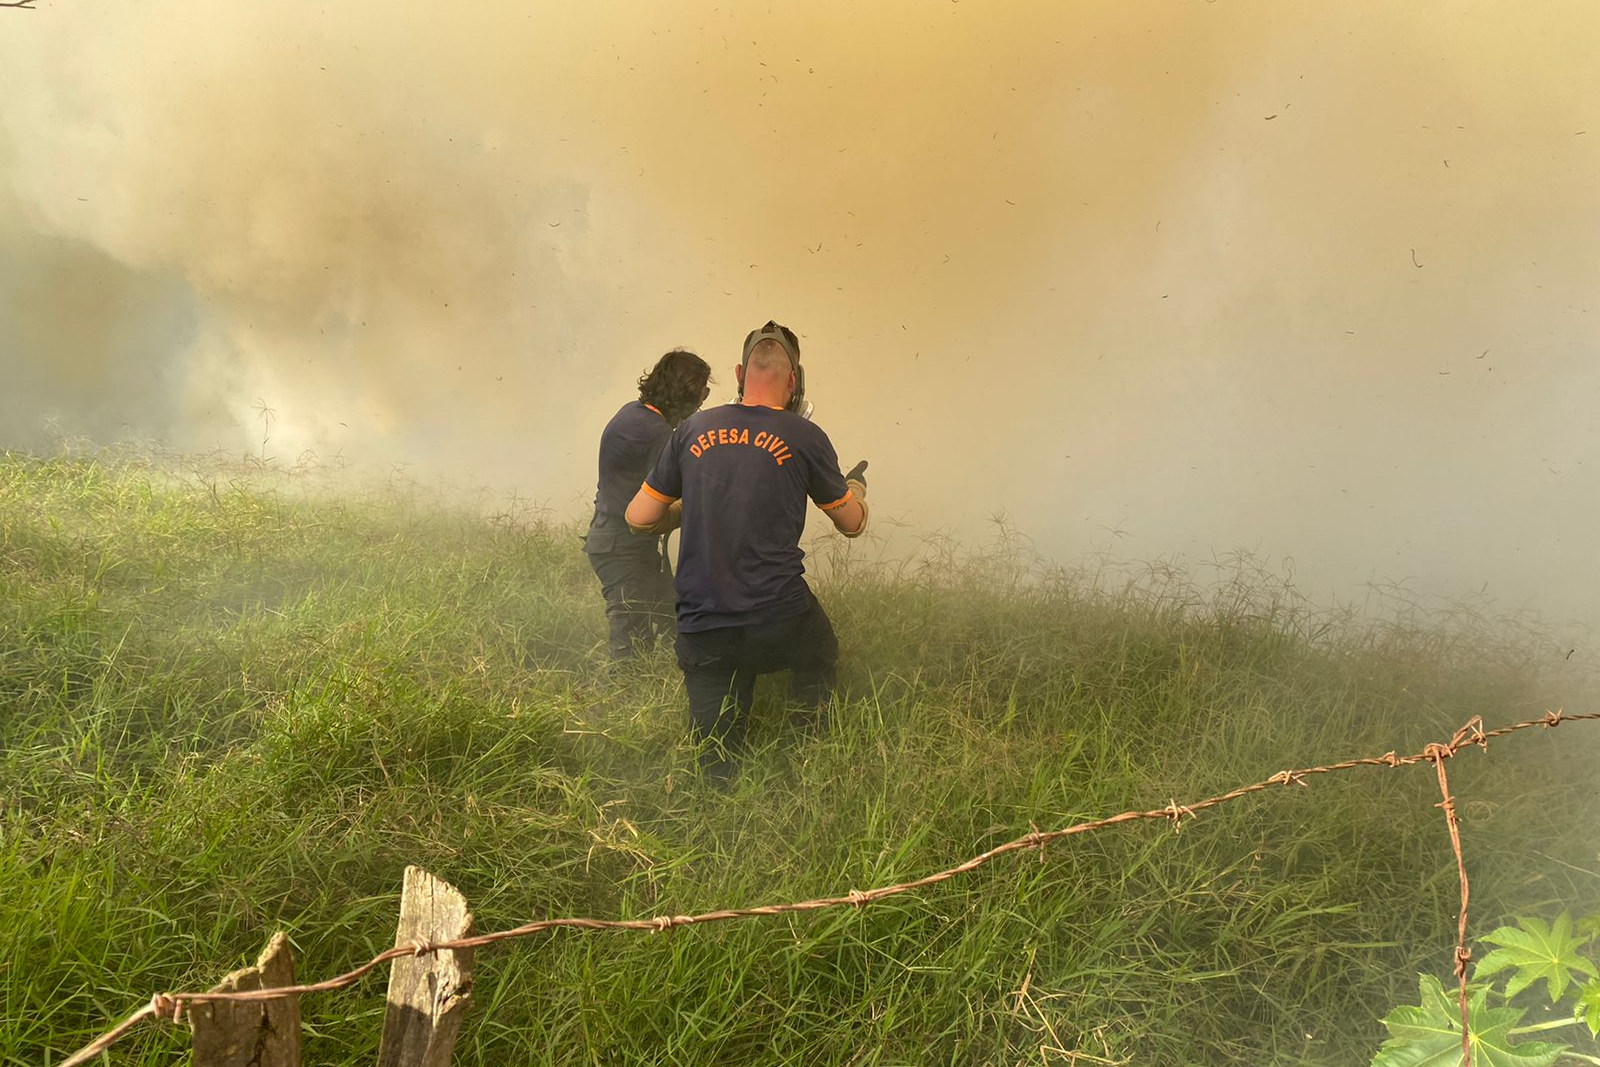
(856, 482)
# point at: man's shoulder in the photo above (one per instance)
(806, 430)
(636, 417)
(784, 424)
(800, 433)
(709, 418)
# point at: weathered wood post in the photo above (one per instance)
(428, 994)
(260, 1033)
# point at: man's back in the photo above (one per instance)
(744, 473)
(629, 446)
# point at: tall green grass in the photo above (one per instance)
(230, 703)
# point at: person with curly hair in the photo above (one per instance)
(635, 576)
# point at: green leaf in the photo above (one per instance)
(1429, 1034)
(1589, 927)
(1536, 950)
(1589, 1007)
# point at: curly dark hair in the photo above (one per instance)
(676, 385)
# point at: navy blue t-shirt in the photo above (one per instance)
(629, 446)
(743, 473)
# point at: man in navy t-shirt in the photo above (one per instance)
(742, 474)
(634, 576)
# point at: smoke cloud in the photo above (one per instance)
(1165, 277)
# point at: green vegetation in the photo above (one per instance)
(1532, 951)
(231, 703)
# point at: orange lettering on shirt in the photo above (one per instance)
(704, 444)
(722, 435)
(694, 450)
(761, 439)
(744, 435)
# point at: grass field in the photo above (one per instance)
(230, 703)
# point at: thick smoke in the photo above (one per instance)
(93, 349)
(1167, 277)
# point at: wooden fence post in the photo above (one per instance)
(262, 1033)
(427, 994)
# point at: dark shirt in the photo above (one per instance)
(744, 473)
(629, 446)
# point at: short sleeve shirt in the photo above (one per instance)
(744, 474)
(629, 446)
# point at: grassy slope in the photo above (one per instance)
(227, 709)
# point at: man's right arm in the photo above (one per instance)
(648, 515)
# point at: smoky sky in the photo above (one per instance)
(1169, 277)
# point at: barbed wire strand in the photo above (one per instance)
(167, 1006)
(1471, 733)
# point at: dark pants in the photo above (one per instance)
(720, 668)
(636, 581)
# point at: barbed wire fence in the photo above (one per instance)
(172, 1007)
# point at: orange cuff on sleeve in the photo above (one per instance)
(664, 498)
(841, 502)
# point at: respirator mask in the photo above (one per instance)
(791, 344)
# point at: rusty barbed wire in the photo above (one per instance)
(168, 1006)
(1437, 754)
